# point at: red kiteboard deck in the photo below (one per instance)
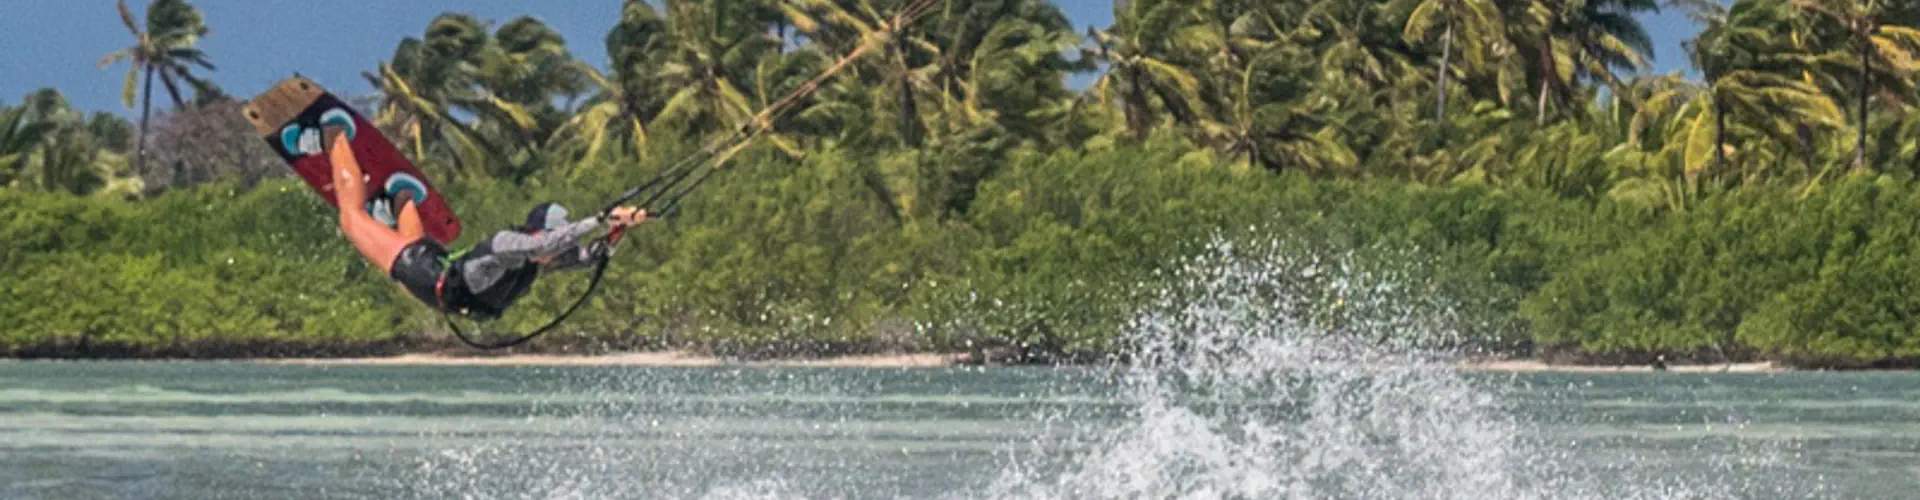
(290, 117)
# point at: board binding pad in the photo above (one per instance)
(290, 117)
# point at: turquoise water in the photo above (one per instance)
(73, 430)
(1243, 384)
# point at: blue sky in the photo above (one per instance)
(58, 43)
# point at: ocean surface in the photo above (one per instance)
(1257, 371)
(206, 430)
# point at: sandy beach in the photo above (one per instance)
(1530, 366)
(662, 358)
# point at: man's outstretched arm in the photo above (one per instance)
(577, 258)
(513, 245)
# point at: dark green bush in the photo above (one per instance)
(1045, 257)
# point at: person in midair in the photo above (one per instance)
(481, 282)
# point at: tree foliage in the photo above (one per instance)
(949, 189)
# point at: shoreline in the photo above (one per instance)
(647, 358)
(1528, 365)
(683, 358)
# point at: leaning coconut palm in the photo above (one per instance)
(1559, 43)
(517, 80)
(412, 113)
(19, 136)
(67, 156)
(1017, 68)
(1147, 51)
(637, 46)
(166, 48)
(522, 73)
(776, 77)
(1882, 43)
(422, 120)
(603, 119)
(707, 68)
(626, 99)
(1749, 81)
(1608, 38)
(996, 61)
(1265, 112)
(431, 78)
(903, 67)
(1360, 48)
(1478, 24)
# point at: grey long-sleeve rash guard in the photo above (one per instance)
(512, 249)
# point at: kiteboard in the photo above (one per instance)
(291, 115)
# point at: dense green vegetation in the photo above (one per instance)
(950, 191)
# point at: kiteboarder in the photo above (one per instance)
(482, 281)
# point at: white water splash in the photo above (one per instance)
(1249, 382)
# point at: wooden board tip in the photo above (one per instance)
(273, 108)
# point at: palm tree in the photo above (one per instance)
(525, 68)
(19, 135)
(998, 62)
(1479, 24)
(71, 162)
(516, 79)
(457, 66)
(603, 116)
(1609, 38)
(637, 45)
(166, 47)
(902, 68)
(1739, 54)
(400, 105)
(1143, 52)
(1871, 29)
(1266, 107)
(70, 158)
(1565, 40)
(1360, 48)
(626, 100)
(413, 98)
(707, 66)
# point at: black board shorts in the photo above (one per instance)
(419, 268)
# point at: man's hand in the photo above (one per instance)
(349, 183)
(626, 216)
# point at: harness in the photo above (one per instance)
(514, 284)
(440, 283)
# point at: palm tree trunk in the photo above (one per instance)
(780, 26)
(1446, 53)
(1541, 115)
(1136, 108)
(1806, 146)
(909, 110)
(52, 173)
(1719, 132)
(1914, 163)
(1866, 82)
(146, 109)
(879, 187)
(1546, 75)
